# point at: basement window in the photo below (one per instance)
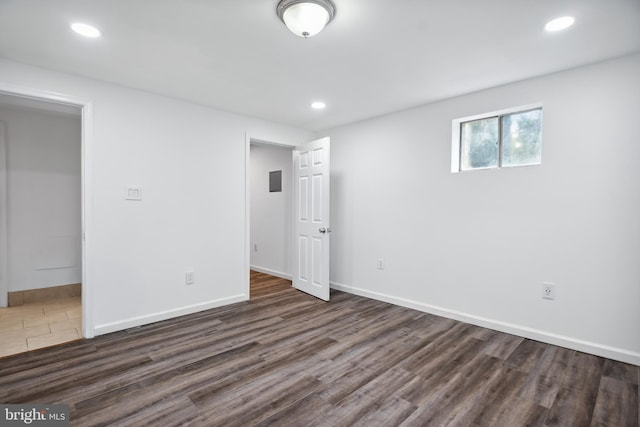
(495, 140)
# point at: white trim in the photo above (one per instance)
(455, 146)
(510, 328)
(41, 95)
(86, 105)
(247, 215)
(271, 272)
(455, 133)
(504, 111)
(165, 315)
(4, 272)
(88, 330)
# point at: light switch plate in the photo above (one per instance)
(190, 278)
(134, 192)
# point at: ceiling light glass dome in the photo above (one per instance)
(305, 18)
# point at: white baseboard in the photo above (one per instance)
(164, 315)
(271, 272)
(523, 331)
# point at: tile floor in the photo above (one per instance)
(39, 324)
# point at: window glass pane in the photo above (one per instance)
(479, 144)
(521, 138)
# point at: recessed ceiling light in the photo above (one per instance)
(560, 24)
(85, 30)
(318, 105)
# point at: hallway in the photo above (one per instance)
(40, 324)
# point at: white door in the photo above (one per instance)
(311, 225)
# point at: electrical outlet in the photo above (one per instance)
(381, 264)
(548, 291)
(190, 278)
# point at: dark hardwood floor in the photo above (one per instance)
(287, 359)
(264, 285)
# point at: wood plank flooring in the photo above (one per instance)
(265, 285)
(287, 359)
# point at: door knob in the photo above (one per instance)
(325, 230)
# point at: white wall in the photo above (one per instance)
(43, 176)
(190, 162)
(271, 212)
(452, 242)
(477, 246)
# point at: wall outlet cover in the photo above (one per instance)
(548, 291)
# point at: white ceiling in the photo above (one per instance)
(374, 58)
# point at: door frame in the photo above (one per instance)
(4, 287)
(86, 118)
(249, 139)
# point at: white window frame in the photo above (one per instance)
(456, 125)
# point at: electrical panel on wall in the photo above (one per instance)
(275, 181)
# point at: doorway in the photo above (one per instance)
(270, 226)
(43, 190)
(308, 210)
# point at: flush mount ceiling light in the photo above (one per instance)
(85, 30)
(560, 24)
(305, 18)
(318, 105)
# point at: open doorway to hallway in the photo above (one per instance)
(271, 218)
(41, 223)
